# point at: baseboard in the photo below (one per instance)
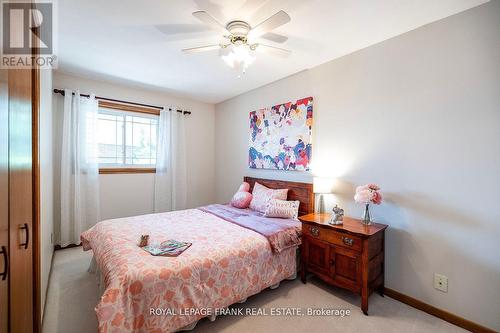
(445, 315)
(59, 247)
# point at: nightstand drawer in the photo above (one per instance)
(333, 237)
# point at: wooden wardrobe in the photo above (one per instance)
(19, 242)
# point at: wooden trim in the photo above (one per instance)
(109, 171)
(128, 107)
(4, 197)
(37, 244)
(442, 314)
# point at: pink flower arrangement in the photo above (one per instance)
(368, 193)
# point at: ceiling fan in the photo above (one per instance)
(240, 39)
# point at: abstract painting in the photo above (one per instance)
(280, 136)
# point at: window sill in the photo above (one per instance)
(109, 171)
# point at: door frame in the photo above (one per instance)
(37, 246)
(37, 320)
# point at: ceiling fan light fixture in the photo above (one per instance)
(240, 57)
(239, 45)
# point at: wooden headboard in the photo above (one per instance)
(302, 192)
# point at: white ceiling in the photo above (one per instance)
(139, 42)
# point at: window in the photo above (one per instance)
(127, 140)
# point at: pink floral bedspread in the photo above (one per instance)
(226, 264)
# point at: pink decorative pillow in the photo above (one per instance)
(241, 199)
(262, 194)
(283, 209)
(244, 187)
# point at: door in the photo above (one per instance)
(4, 201)
(20, 200)
(345, 267)
(317, 254)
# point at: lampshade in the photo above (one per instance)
(323, 185)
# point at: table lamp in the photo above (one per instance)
(322, 185)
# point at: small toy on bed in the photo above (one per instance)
(144, 240)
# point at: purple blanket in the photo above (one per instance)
(281, 233)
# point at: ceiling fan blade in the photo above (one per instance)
(174, 32)
(277, 38)
(181, 29)
(251, 6)
(273, 50)
(209, 20)
(201, 49)
(271, 23)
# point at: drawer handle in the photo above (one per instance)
(5, 263)
(347, 241)
(314, 231)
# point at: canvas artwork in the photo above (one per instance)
(280, 136)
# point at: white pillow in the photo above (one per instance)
(262, 194)
(283, 209)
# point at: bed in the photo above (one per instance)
(225, 264)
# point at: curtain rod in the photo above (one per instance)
(60, 91)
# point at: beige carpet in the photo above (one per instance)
(73, 294)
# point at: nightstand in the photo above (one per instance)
(349, 256)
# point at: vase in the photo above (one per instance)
(367, 220)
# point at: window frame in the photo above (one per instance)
(127, 108)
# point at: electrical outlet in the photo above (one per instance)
(441, 282)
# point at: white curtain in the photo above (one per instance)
(79, 167)
(170, 179)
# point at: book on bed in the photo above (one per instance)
(168, 248)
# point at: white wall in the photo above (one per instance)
(46, 177)
(132, 194)
(418, 114)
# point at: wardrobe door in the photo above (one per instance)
(4, 201)
(20, 201)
